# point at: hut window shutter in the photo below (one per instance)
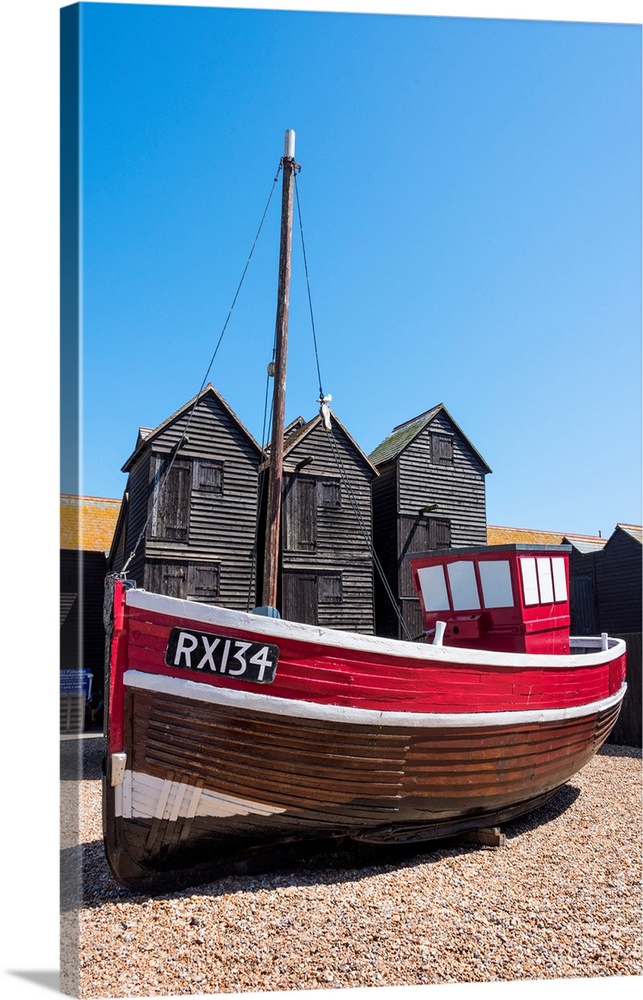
(300, 597)
(166, 578)
(209, 477)
(441, 449)
(415, 537)
(330, 494)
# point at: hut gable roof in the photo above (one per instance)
(143, 434)
(147, 436)
(635, 531)
(87, 524)
(300, 429)
(586, 543)
(293, 429)
(404, 434)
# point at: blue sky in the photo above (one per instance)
(471, 204)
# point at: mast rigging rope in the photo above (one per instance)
(176, 448)
(334, 447)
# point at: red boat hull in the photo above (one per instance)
(355, 736)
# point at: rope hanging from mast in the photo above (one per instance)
(310, 301)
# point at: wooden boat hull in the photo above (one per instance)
(201, 771)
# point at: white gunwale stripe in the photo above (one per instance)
(254, 702)
(276, 629)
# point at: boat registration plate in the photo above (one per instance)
(205, 653)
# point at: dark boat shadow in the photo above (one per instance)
(619, 750)
(86, 880)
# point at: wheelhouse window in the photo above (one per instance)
(455, 587)
(434, 588)
(495, 577)
(464, 588)
(543, 580)
(560, 579)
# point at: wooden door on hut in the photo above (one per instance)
(422, 533)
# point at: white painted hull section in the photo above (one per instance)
(141, 796)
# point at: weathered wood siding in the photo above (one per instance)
(327, 570)
(618, 584)
(619, 593)
(117, 554)
(627, 731)
(138, 489)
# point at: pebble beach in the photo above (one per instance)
(560, 900)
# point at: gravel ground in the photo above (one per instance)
(562, 899)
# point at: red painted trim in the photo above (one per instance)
(117, 666)
(346, 677)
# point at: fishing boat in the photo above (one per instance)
(231, 734)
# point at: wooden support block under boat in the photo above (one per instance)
(487, 836)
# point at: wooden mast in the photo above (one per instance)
(275, 469)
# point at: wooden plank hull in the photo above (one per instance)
(201, 771)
